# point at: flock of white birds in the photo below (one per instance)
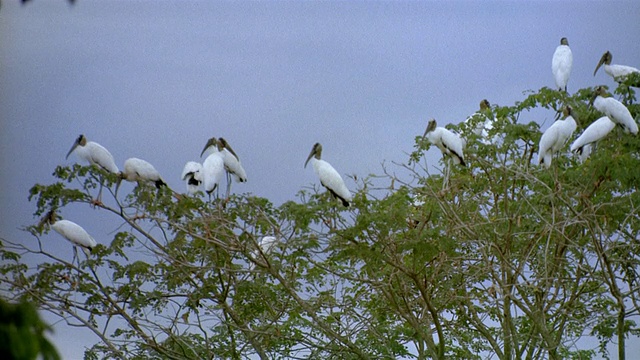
(556, 136)
(221, 158)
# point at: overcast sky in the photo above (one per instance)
(156, 79)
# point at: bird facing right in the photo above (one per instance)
(614, 109)
(329, 177)
(617, 72)
(555, 137)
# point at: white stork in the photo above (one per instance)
(265, 246)
(213, 166)
(329, 177)
(193, 175)
(561, 64)
(449, 143)
(555, 137)
(232, 164)
(139, 170)
(595, 132)
(485, 124)
(617, 72)
(70, 231)
(94, 154)
(614, 109)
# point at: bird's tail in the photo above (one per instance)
(86, 250)
(159, 183)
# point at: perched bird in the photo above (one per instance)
(329, 177)
(449, 143)
(231, 161)
(265, 245)
(595, 132)
(614, 109)
(94, 154)
(193, 175)
(555, 137)
(139, 170)
(232, 164)
(617, 72)
(484, 124)
(70, 231)
(561, 64)
(213, 166)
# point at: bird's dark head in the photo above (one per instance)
(484, 104)
(599, 91)
(223, 144)
(564, 41)
(211, 142)
(48, 219)
(431, 125)
(316, 151)
(605, 59)
(80, 141)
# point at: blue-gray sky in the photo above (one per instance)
(156, 79)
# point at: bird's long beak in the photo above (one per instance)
(75, 145)
(602, 60)
(228, 147)
(210, 142)
(313, 151)
(308, 158)
(47, 218)
(559, 113)
(118, 183)
(593, 98)
(430, 127)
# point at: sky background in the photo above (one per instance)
(156, 79)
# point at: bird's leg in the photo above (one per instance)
(98, 201)
(75, 256)
(228, 185)
(447, 172)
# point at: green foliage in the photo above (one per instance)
(504, 260)
(22, 333)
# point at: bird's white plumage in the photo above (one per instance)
(212, 171)
(561, 64)
(266, 245)
(94, 154)
(595, 132)
(617, 72)
(616, 111)
(193, 175)
(75, 234)
(449, 143)
(232, 166)
(585, 153)
(329, 177)
(483, 123)
(554, 139)
(140, 170)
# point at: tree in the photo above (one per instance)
(506, 260)
(22, 333)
